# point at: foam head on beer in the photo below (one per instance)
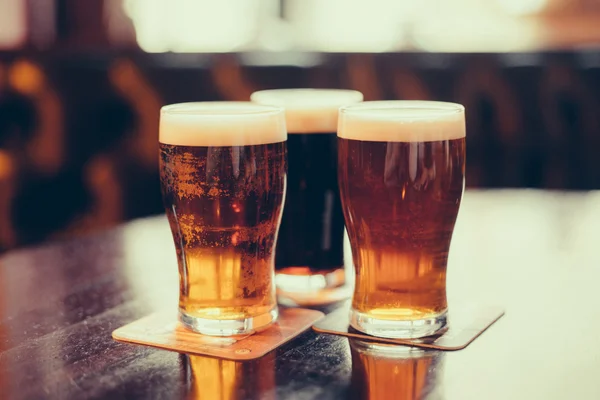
(223, 179)
(402, 121)
(309, 110)
(221, 124)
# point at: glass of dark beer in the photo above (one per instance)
(223, 176)
(402, 174)
(309, 259)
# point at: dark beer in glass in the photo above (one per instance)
(309, 260)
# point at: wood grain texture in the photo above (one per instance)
(534, 252)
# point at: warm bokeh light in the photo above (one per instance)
(193, 25)
(480, 33)
(13, 28)
(7, 167)
(26, 77)
(358, 26)
(350, 25)
(208, 26)
(522, 7)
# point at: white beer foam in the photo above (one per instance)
(309, 110)
(402, 121)
(224, 123)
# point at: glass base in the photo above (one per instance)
(307, 280)
(229, 327)
(397, 329)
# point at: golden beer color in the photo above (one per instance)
(401, 186)
(403, 220)
(224, 204)
(224, 226)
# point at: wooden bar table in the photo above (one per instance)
(537, 253)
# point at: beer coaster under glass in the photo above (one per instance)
(164, 331)
(465, 324)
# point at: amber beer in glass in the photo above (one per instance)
(223, 178)
(401, 173)
(309, 260)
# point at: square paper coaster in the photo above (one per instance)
(465, 324)
(164, 331)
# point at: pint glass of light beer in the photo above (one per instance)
(401, 174)
(223, 177)
(310, 249)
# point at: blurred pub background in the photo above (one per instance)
(82, 82)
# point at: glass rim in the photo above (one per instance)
(221, 109)
(433, 109)
(221, 123)
(402, 121)
(302, 97)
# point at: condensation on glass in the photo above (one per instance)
(223, 176)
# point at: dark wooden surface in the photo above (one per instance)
(536, 253)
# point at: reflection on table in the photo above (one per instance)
(403, 373)
(218, 379)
